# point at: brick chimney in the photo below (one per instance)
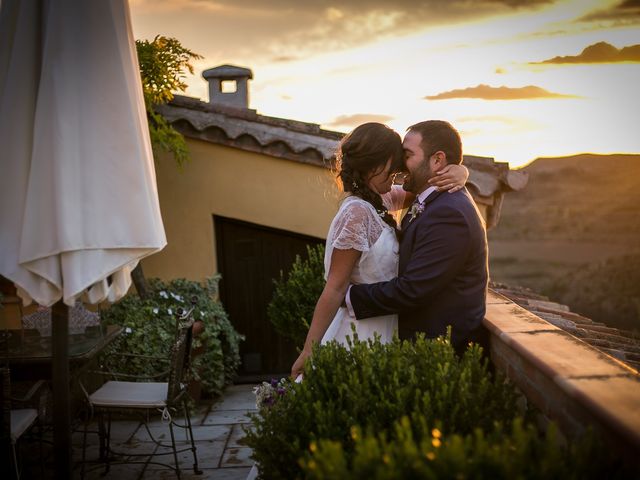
(228, 85)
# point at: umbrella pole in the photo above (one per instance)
(61, 395)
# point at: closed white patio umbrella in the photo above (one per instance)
(78, 199)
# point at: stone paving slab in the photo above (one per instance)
(237, 435)
(207, 474)
(227, 417)
(119, 472)
(207, 432)
(232, 473)
(218, 433)
(237, 457)
(209, 456)
(236, 397)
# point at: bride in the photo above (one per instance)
(362, 246)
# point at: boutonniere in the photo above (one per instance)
(416, 209)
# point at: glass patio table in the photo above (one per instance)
(29, 354)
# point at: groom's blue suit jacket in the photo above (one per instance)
(442, 274)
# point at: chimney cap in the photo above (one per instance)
(228, 71)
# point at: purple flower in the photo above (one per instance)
(274, 382)
(281, 391)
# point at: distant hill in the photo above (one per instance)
(584, 198)
(575, 215)
(607, 291)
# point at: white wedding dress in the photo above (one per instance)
(357, 225)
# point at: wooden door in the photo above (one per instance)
(250, 257)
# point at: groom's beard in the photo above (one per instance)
(417, 181)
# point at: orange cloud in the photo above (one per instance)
(357, 119)
(600, 52)
(487, 92)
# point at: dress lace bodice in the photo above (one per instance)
(357, 225)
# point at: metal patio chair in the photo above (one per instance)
(142, 398)
(17, 422)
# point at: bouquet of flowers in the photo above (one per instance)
(268, 392)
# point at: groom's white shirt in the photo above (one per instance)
(421, 198)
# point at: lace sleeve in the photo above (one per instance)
(355, 226)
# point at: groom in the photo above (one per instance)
(442, 274)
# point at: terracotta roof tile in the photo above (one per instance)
(620, 344)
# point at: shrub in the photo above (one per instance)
(408, 410)
(294, 298)
(519, 452)
(370, 386)
(149, 328)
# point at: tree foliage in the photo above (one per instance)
(163, 66)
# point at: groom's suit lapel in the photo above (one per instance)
(406, 239)
(407, 224)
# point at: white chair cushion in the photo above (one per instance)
(131, 394)
(21, 420)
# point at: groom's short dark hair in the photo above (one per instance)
(439, 135)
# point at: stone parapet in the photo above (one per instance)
(569, 381)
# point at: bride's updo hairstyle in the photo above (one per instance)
(365, 152)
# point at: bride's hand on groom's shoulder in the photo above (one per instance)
(451, 178)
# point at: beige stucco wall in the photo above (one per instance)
(237, 184)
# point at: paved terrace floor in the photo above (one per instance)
(217, 429)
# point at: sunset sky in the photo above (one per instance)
(520, 79)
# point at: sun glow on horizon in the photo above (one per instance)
(551, 110)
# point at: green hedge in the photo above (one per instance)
(371, 386)
(294, 297)
(518, 452)
(380, 411)
(149, 329)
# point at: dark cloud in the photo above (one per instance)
(358, 119)
(285, 6)
(627, 11)
(487, 92)
(600, 52)
(285, 30)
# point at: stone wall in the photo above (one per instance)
(569, 381)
